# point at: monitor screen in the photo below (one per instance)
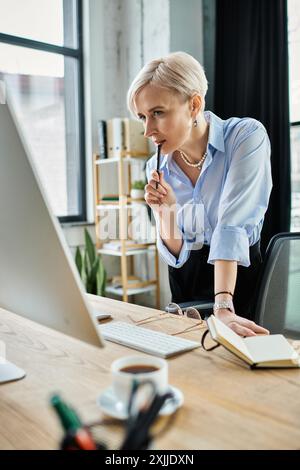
(38, 276)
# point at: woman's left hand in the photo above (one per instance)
(240, 325)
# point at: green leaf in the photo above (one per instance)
(87, 263)
(92, 280)
(91, 267)
(89, 287)
(103, 293)
(90, 248)
(84, 270)
(138, 184)
(94, 270)
(100, 277)
(78, 260)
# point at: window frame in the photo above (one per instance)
(76, 53)
(292, 228)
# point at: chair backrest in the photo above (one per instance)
(278, 300)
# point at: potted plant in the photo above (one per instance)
(137, 189)
(90, 267)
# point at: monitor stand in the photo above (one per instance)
(10, 372)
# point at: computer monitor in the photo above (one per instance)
(38, 277)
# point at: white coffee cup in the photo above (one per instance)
(123, 375)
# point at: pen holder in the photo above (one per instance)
(138, 433)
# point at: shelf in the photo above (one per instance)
(137, 290)
(119, 200)
(104, 161)
(112, 206)
(114, 202)
(117, 204)
(130, 252)
(136, 201)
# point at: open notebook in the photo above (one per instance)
(258, 351)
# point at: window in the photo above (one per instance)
(41, 67)
(294, 72)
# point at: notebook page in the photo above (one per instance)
(270, 348)
(223, 331)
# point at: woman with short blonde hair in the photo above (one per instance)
(211, 192)
(178, 72)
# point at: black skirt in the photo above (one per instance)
(195, 281)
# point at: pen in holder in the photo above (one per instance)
(77, 436)
(158, 161)
(139, 433)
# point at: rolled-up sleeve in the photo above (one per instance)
(170, 259)
(165, 254)
(245, 196)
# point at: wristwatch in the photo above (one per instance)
(224, 304)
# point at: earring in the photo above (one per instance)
(195, 123)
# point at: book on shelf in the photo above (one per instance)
(125, 136)
(135, 142)
(110, 197)
(117, 245)
(115, 138)
(102, 139)
(257, 351)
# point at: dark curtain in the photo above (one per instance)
(251, 79)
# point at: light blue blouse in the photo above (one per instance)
(226, 207)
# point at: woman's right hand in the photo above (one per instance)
(162, 196)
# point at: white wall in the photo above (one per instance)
(186, 27)
(120, 37)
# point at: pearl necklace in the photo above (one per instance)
(197, 165)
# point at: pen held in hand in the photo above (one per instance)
(158, 162)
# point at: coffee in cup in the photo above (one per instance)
(138, 369)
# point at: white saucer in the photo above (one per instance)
(109, 404)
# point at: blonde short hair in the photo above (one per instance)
(179, 72)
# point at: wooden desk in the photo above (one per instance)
(227, 405)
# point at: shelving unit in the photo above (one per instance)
(129, 284)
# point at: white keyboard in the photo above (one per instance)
(148, 341)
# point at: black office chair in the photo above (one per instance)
(277, 301)
(204, 307)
